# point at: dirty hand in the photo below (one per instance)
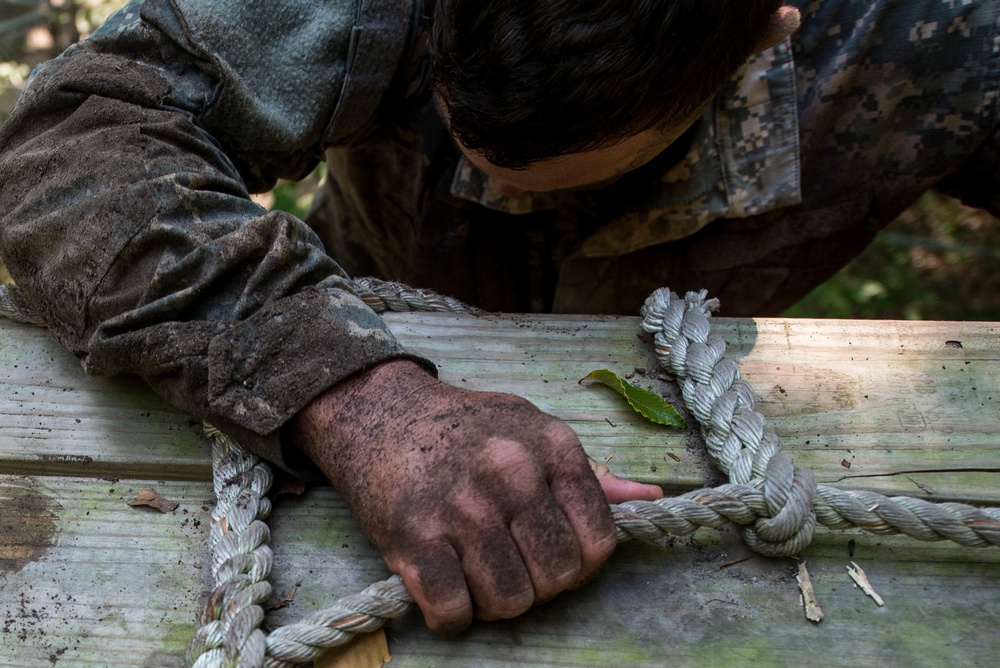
(481, 502)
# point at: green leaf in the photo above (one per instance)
(651, 406)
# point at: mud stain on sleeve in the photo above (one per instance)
(28, 523)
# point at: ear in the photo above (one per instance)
(784, 22)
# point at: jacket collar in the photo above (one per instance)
(743, 161)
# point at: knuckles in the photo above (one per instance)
(474, 462)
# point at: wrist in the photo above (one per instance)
(335, 418)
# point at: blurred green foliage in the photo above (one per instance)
(296, 197)
(938, 261)
(32, 31)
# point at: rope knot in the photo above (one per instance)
(733, 430)
(788, 492)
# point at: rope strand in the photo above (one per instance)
(14, 306)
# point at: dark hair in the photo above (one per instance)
(527, 80)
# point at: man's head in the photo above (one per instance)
(525, 83)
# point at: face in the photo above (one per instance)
(592, 168)
(601, 166)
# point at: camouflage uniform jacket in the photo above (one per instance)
(124, 210)
(887, 94)
(798, 162)
(125, 168)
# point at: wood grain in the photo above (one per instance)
(86, 580)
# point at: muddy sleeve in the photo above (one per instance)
(126, 220)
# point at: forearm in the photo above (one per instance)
(128, 227)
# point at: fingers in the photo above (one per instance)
(496, 574)
(485, 575)
(549, 547)
(503, 566)
(619, 490)
(577, 492)
(434, 577)
(532, 556)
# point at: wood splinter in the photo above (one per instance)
(861, 580)
(809, 602)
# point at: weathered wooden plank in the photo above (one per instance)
(54, 419)
(88, 581)
(684, 606)
(688, 605)
(908, 411)
(886, 397)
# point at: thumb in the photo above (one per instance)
(618, 489)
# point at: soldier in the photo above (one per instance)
(791, 170)
(521, 156)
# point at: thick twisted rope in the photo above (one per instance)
(229, 634)
(14, 306)
(778, 505)
(382, 296)
(241, 562)
(737, 443)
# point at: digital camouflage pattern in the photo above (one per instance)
(800, 160)
(895, 87)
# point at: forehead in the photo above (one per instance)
(575, 170)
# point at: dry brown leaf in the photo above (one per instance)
(149, 497)
(287, 599)
(367, 650)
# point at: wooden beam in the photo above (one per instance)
(90, 581)
(896, 407)
(54, 419)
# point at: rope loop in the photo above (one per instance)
(230, 634)
(733, 431)
(777, 504)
